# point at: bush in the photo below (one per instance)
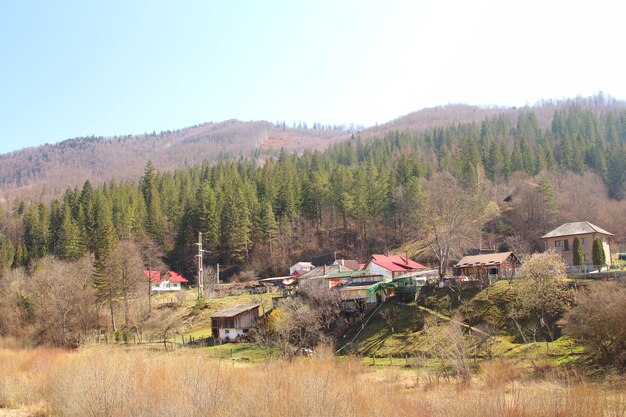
(598, 321)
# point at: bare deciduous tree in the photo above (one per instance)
(124, 276)
(542, 297)
(599, 321)
(390, 314)
(447, 219)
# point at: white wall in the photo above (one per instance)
(166, 286)
(293, 268)
(232, 333)
(375, 269)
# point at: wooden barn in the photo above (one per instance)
(231, 323)
(491, 266)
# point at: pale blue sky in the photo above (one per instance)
(74, 68)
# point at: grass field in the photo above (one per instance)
(195, 322)
(117, 382)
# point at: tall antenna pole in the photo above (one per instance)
(200, 269)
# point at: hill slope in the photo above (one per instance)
(46, 171)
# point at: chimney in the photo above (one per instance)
(324, 268)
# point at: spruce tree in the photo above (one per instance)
(7, 254)
(70, 245)
(267, 226)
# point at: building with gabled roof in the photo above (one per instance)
(392, 266)
(171, 281)
(233, 322)
(352, 264)
(561, 240)
(488, 266)
(300, 266)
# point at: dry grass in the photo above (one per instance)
(104, 381)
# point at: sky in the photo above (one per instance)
(105, 68)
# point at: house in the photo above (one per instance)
(346, 277)
(362, 296)
(561, 240)
(322, 271)
(488, 266)
(233, 322)
(392, 266)
(171, 281)
(304, 266)
(351, 264)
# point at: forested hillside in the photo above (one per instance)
(356, 197)
(45, 172)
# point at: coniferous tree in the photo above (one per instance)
(235, 226)
(104, 243)
(267, 226)
(154, 223)
(71, 245)
(597, 253)
(579, 257)
(104, 235)
(7, 254)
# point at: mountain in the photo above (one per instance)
(45, 171)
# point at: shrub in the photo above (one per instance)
(598, 321)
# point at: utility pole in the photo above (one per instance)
(217, 275)
(200, 269)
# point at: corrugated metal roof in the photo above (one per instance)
(484, 260)
(347, 274)
(396, 263)
(576, 228)
(348, 263)
(235, 310)
(321, 271)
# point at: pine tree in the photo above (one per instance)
(70, 246)
(104, 243)
(21, 255)
(579, 257)
(86, 218)
(7, 254)
(267, 226)
(104, 235)
(154, 222)
(236, 227)
(206, 214)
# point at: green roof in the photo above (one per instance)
(347, 274)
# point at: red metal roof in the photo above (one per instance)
(396, 263)
(176, 277)
(154, 276)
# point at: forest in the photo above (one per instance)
(357, 197)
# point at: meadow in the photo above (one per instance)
(112, 381)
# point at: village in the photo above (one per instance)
(361, 288)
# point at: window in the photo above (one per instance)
(582, 241)
(226, 331)
(558, 243)
(566, 245)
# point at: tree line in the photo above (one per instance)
(357, 195)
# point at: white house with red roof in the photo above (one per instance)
(300, 266)
(392, 266)
(171, 281)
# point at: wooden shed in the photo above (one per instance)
(233, 322)
(491, 266)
